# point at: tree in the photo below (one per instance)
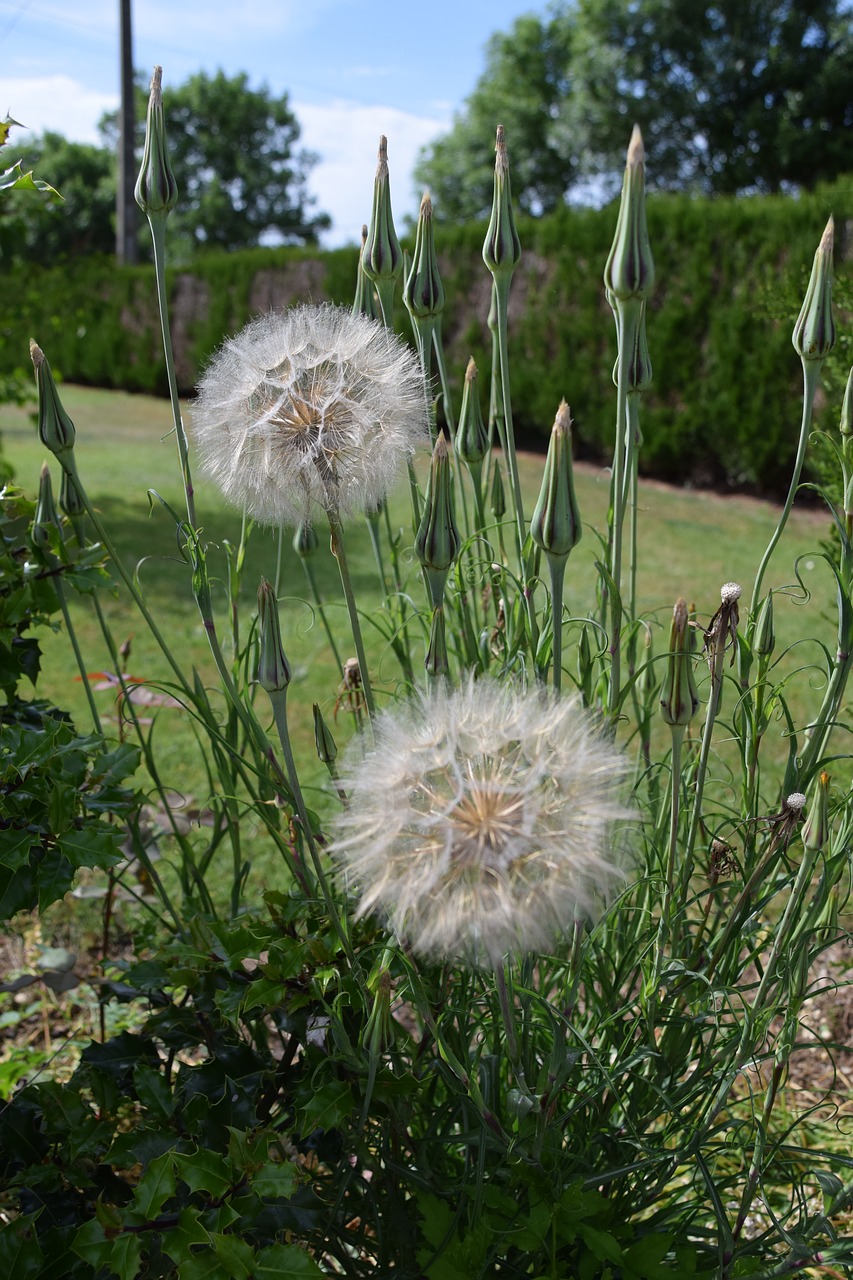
(240, 177)
(732, 96)
(82, 221)
(525, 80)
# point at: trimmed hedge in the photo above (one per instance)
(724, 407)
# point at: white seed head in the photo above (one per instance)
(795, 802)
(730, 592)
(306, 408)
(482, 821)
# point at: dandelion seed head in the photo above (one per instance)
(730, 592)
(309, 408)
(795, 801)
(482, 822)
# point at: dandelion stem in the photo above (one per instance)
(557, 569)
(78, 656)
(702, 766)
(318, 600)
(501, 285)
(509, 1028)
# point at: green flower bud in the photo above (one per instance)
(437, 541)
(274, 672)
(630, 269)
(498, 496)
(814, 332)
(156, 190)
(846, 424)
(472, 438)
(382, 257)
(423, 292)
(556, 524)
(502, 247)
(586, 671)
(679, 700)
(365, 298)
(327, 750)
(56, 430)
(764, 641)
(305, 541)
(816, 831)
(46, 517)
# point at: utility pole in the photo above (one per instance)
(126, 244)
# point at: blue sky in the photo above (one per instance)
(353, 69)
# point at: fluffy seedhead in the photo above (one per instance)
(482, 822)
(309, 408)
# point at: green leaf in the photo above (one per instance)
(177, 1242)
(94, 845)
(285, 1262)
(155, 1186)
(601, 1243)
(235, 1254)
(275, 1180)
(204, 1171)
(153, 1091)
(92, 1245)
(328, 1107)
(20, 1252)
(203, 1266)
(126, 1255)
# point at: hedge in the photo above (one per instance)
(724, 407)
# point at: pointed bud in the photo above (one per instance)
(630, 269)
(437, 541)
(365, 298)
(498, 496)
(156, 190)
(502, 247)
(814, 332)
(273, 668)
(327, 750)
(46, 520)
(585, 666)
(472, 438)
(305, 541)
(382, 257)
(556, 524)
(846, 424)
(423, 293)
(816, 830)
(56, 430)
(765, 636)
(679, 700)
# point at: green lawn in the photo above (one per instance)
(690, 544)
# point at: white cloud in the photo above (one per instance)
(55, 102)
(346, 136)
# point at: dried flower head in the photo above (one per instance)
(312, 407)
(481, 823)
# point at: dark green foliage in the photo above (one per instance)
(60, 793)
(731, 97)
(80, 220)
(718, 262)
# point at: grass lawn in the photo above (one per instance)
(690, 543)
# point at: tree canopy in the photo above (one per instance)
(241, 177)
(732, 96)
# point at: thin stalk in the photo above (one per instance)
(405, 657)
(279, 558)
(702, 766)
(783, 931)
(627, 318)
(557, 569)
(339, 552)
(674, 814)
(315, 591)
(509, 1028)
(78, 656)
(158, 235)
(811, 374)
(501, 285)
(278, 699)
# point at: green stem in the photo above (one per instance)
(278, 699)
(665, 931)
(557, 567)
(157, 222)
(702, 767)
(627, 318)
(315, 591)
(78, 656)
(339, 552)
(502, 296)
(783, 930)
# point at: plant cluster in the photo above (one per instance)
(526, 999)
